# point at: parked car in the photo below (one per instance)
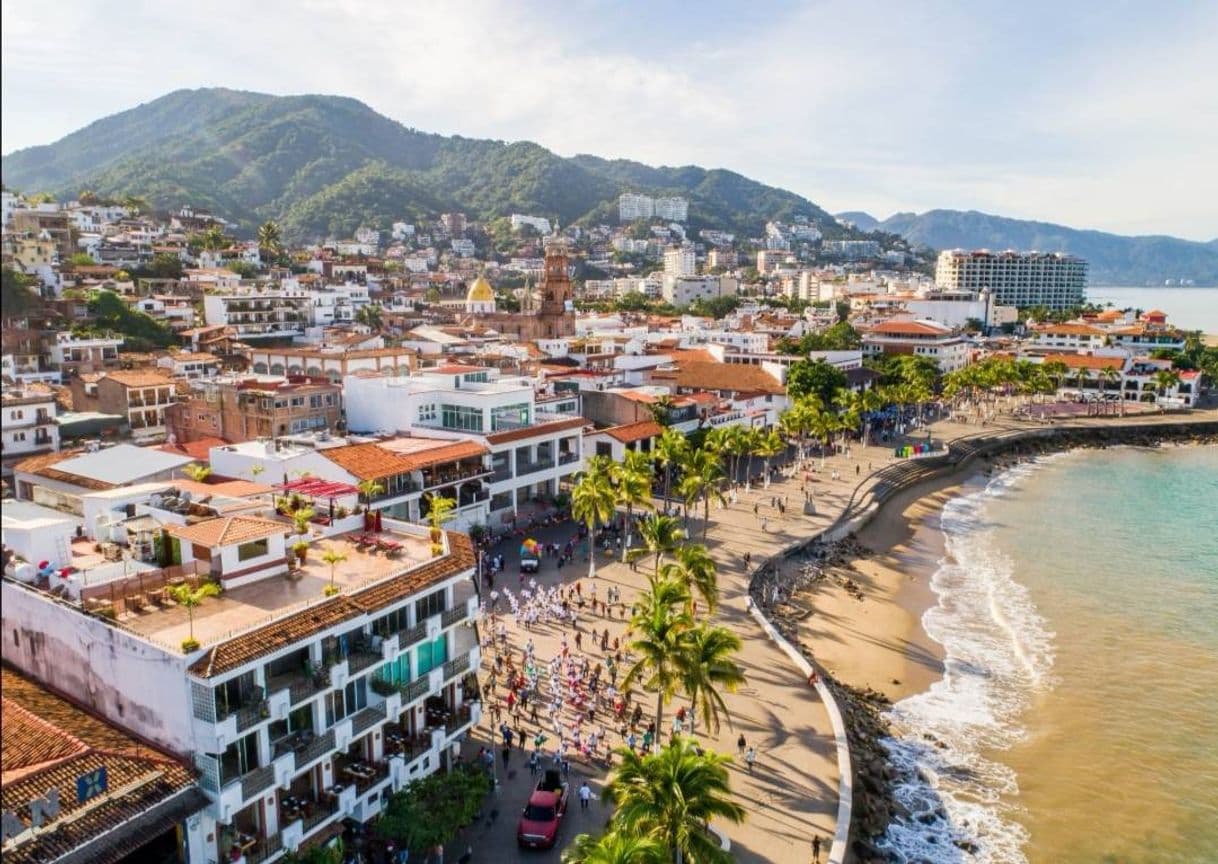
(542, 816)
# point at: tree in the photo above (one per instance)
(670, 450)
(1166, 379)
(815, 377)
(439, 510)
(81, 259)
(661, 535)
(822, 426)
(768, 445)
(672, 796)
(615, 847)
(700, 478)
(593, 502)
(371, 315)
(661, 409)
(333, 558)
(432, 809)
(655, 638)
(632, 478)
(15, 292)
(190, 598)
(694, 569)
(301, 518)
(164, 265)
(270, 243)
(707, 668)
(369, 489)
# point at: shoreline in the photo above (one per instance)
(856, 613)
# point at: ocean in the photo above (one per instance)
(1189, 308)
(1077, 720)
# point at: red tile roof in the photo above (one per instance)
(631, 432)
(200, 449)
(228, 530)
(533, 431)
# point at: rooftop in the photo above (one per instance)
(269, 601)
(123, 463)
(400, 455)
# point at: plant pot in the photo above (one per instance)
(436, 534)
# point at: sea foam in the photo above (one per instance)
(998, 653)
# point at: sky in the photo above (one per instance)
(1092, 114)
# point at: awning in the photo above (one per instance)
(314, 487)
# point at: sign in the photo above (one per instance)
(91, 785)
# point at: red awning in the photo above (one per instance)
(313, 487)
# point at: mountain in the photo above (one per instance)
(325, 165)
(1114, 259)
(859, 219)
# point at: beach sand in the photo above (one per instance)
(878, 642)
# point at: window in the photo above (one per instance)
(510, 417)
(427, 412)
(18, 414)
(297, 401)
(315, 401)
(432, 604)
(345, 702)
(461, 417)
(329, 400)
(253, 549)
(431, 655)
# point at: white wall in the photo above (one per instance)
(130, 681)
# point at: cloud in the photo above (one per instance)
(1094, 116)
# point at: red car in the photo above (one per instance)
(542, 816)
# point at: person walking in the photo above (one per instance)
(750, 757)
(741, 745)
(816, 849)
(585, 795)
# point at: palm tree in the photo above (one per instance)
(301, 517)
(671, 449)
(439, 510)
(822, 426)
(661, 535)
(709, 668)
(615, 847)
(332, 557)
(769, 445)
(695, 569)
(189, 598)
(632, 479)
(369, 489)
(214, 238)
(660, 409)
(661, 617)
(701, 475)
(1166, 379)
(370, 315)
(1057, 371)
(593, 502)
(672, 796)
(269, 239)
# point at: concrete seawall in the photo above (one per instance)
(874, 491)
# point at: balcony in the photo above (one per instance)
(412, 637)
(416, 690)
(568, 458)
(258, 780)
(500, 474)
(456, 666)
(523, 467)
(453, 616)
(359, 660)
(362, 721)
(320, 746)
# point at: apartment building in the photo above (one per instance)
(674, 209)
(1053, 280)
(73, 355)
(256, 314)
(683, 290)
(297, 710)
(949, 348)
(247, 408)
(1069, 337)
(28, 421)
(142, 397)
(680, 261)
(851, 250)
(631, 207)
(533, 452)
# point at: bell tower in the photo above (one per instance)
(557, 311)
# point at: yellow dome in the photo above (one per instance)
(480, 291)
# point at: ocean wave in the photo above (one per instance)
(998, 654)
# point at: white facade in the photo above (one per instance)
(683, 290)
(29, 423)
(680, 261)
(631, 207)
(1056, 280)
(957, 312)
(676, 209)
(540, 224)
(259, 314)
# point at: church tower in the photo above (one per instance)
(557, 312)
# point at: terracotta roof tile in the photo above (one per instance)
(378, 460)
(139, 378)
(631, 432)
(540, 429)
(228, 530)
(723, 376)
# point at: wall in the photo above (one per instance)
(127, 680)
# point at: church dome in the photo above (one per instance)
(480, 291)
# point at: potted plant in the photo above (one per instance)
(439, 511)
(301, 550)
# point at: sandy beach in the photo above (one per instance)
(876, 640)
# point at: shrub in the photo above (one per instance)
(189, 644)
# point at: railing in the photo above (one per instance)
(318, 748)
(248, 716)
(364, 720)
(568, 458)
(453, 615)
(456, 666)
(322, 811)
(413, 636)
(416, 690)
(531, 467)
(265, 848)
(258, 780)
(303, 687)
(358, 661)
(504, 473)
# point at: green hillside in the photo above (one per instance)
(324, 165)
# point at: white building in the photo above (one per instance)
(463, 247)
(683, 290)
(851, 250)
(947, 347)
(1053, 280)
(295, 707)
(258, 314)
(540, 224)
(532, 452)
(631, 207)
(680, 261)
(953, 309)
(674, 209)
(28, 421)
